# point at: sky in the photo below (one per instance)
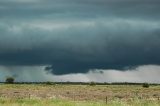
(80, 40)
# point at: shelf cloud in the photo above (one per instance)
(76, 36)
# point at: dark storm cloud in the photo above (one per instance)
(24, 9)
(74, 36)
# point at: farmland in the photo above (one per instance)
(78, 95)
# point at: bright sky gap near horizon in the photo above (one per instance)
(80, 40)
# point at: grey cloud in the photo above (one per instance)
(149, 73)
(62, 9)
(80, 48)
(76, 36)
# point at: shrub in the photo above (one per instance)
(145, 85)
(105, 83)
(9, 80)
(49, 83)
(92, 83)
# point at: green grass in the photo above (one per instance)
(47, 102)
(56, 102)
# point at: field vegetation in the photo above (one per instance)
(78, 95)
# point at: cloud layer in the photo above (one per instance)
(149, 73)
(76, 36)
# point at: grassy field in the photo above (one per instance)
(78, 95)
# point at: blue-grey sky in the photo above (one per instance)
(75, 36)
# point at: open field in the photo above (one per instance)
(78, 95)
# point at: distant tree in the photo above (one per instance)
(145, 85)
(105, 83)
(49, 83)
(92, 83)
(9, 80)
